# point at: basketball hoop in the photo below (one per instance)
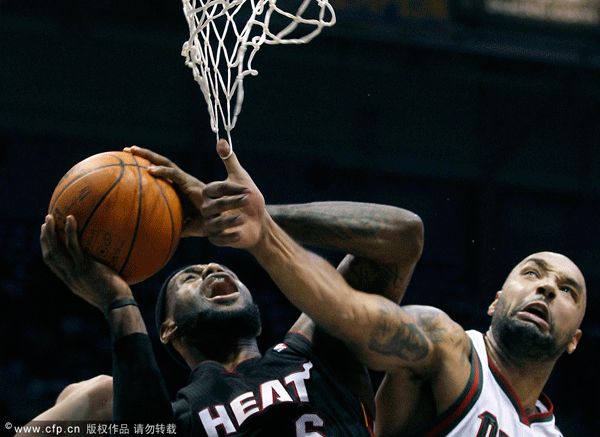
(216, 49)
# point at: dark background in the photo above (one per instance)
(485, 127)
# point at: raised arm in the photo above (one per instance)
(140, 395)
(383, 242)
(382, 334)
(378, 330)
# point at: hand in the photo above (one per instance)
(234, 209)
(96, 283)
(189, 188)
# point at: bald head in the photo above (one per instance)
(538, 313)
(569, 276)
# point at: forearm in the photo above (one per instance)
(385, 242)
(307, 280)
(140, 394)
(124, 321)
(380, 233)
(380, 333)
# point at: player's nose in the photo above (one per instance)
(211, 268)
(548, 289)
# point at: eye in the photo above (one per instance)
(532, 273)
(570, 290)
(188, 277)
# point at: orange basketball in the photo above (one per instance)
(126, 218)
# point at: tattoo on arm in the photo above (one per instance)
(430, 321)
(359, 229)
(327, 225)
(438, 328)
(314, 232)
(392, 336)
(373, 277)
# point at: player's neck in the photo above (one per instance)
(229, 356)
(247, 349)
(526, 379)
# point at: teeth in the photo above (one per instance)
(220, 287)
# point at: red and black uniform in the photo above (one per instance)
(287, 392)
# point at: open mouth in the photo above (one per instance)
(536, 312)
(219, 286)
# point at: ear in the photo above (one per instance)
(167, 331)
(574, 341)
(492, 307)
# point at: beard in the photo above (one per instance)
(221, 327)
(523, 341)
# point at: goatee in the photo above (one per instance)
(226, 326)
(523, 341)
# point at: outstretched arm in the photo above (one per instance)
(382, 334)
(368, 323)
(384, 242)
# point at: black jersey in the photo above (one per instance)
(286, 392)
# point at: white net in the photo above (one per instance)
(217, 48)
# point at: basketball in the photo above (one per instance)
(126, 218)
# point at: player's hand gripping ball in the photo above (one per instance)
(126, 218)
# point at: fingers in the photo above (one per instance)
(224, 149)
(53, 252)
(72, 240)
(49, 238)
(151, 156)
(233, 166)
(47, 235)
(174, 174)
(161, 167)
(221, 197)
(223, 188)
(223, 224)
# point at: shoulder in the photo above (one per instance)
(437, 324)
(449, 340)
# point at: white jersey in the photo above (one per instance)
(488, 407)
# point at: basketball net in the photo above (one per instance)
(217, 48)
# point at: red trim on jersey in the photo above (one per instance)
(458, 411)
(509, 392)
(527, 420)
(234, 370)
(543, 416)
(300, 333)
(368, 420)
